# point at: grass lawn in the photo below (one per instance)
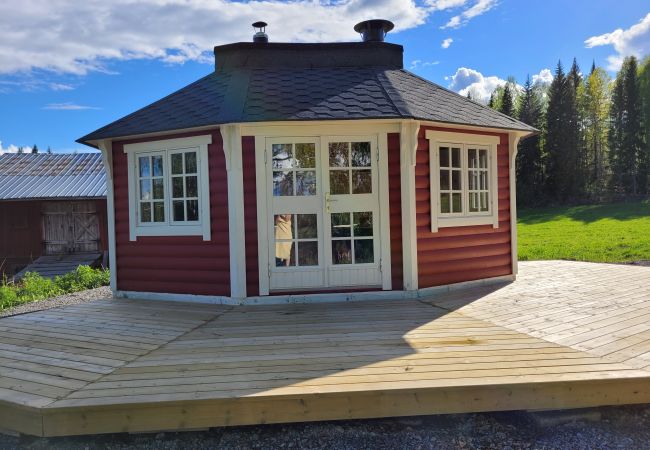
(617, 232)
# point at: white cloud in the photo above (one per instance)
(10, 149)
(480, 7)
(76, 37)
(446, 43)
(31, 84)
(67, 106)
(469, 80)
(635, 41)
(545, 76)
(418, 63)
(441, 5)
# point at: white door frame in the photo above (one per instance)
(261, 134)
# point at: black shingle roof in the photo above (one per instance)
(243, 91)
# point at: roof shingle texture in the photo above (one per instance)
(50, 176)
(323, 93)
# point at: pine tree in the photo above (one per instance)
(49, 150)
(35, 149)
(626, 135)
(644, 86)
(20, 150)
(492, 102)
(530, 175)
(507, 106)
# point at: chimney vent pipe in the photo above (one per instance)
(260, 35)
(374, 30)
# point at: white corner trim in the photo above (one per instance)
(408, 154)
(106, 147)
(437, 138)
(513, 148)
(385, 264)
(262, 215)
(232, 147)
(164, 147)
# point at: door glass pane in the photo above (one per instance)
(455, 157)
(363, 251)
(361, 154)
(444, 156)
(282, 183)
(283, 228)
(339, 182)
(179, 210)
(284, 254)
(307, 226)
(472, 159)
(158, 212)
(456, 203)
(177, 187)
(308, 253)
(306, 155)
(362, 224)
(305, 182)
(445, 203)
(190, 162)
(177, 163)
(361, 181)
(455, 180)
(444, 180)
(145, 189)
(157, 166)
(145, 212)
(282, 156)
(339, 154)
(483, 159)
(145, 168)
(340, 225)
(342, 252)
(158, 189)
(192, 210)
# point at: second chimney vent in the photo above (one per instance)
(374, 30)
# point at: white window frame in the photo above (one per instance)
(439, 139)
(166, 147)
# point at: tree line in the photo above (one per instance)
(594, 140)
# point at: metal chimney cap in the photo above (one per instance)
(374, 30)
(260, 36)
(259, 24)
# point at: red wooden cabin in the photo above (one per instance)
(309, 171)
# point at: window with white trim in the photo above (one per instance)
(463, 179)
(168, 188)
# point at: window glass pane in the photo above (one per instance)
(362, 223)
(342, 252)
(157, 166)
(456, 201)
(282, 156)
(145, 189)
(339, 182)
(308, 253)
(361, 154)
(191, 188)
(361, 181)
(177, 163)
(178, 207)
(472, 180)
(445, 203)
(340, 224)
(192, 210)
(158, 212)
(473, 202)
(306, 155)
(484, 201)
(484, 178)
(444, 180)
(307, 226)
(363, 251)
(190, 162)
(444, 156)
(282, 183)
(472, 159)
(483, 159)
(338, 154)
(455, 180)
(158, 189)
(145, 168)
(455, 157)
(177, 187)
(145, 212)
(305, 182)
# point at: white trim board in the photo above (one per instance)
(106, 147)
(425, 293)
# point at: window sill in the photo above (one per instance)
(467, 221)
(178, 230)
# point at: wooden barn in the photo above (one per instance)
(52, 212)
(302, 172)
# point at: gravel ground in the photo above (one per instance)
(620, 428)
(62, 300)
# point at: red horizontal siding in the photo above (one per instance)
(395, 210)
(178, 265)
(458, 254)
(250, 216)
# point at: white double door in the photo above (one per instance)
(323, 216)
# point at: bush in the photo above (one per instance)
(34, 287)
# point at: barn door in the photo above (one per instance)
(70, 227)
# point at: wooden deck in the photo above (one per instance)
(564, 335)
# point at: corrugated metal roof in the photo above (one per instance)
(43, 175)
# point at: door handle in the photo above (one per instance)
(328, 201)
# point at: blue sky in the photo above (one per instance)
(68, 67)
